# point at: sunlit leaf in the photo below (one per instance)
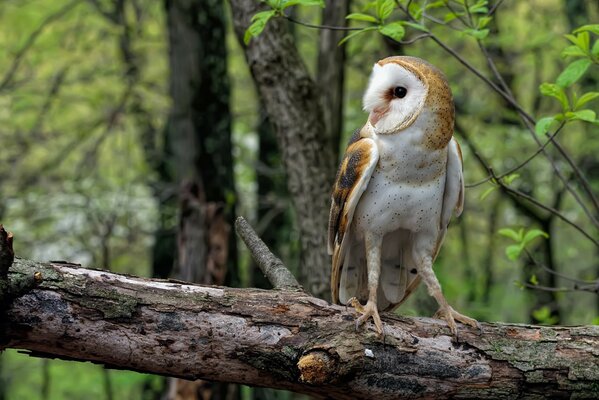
(533, 234)
(487, 192)
(258, 24)
(588, 28)
(553, 90)
(513, 251)
(362, 17)
(356, 33)
(542, 126)
(585, 98)
(510, 233)
(533, 280)
(478, 34)
(419, 27)
(394, 30)
(582, 115)
(510, 178)
(573, 72)
(289, 3)
(573, 51)
(384, 8)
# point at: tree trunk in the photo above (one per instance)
(199, 150)
(292, 101)
(286, 339)
(331, 70)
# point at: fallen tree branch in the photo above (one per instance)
(286, 339)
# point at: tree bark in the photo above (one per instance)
(331, 70)
(292, 102)
(286, 339)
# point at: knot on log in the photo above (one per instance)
(317, 367)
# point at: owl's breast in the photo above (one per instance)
(406, 189)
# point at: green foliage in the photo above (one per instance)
(394, 30)
(543, 315)
(258, 24)
(522, 239)
(260, 19)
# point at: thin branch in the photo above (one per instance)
(519, 166)
(272, 267)
(330, 27)
(515, 194)
(31, 40)
(494, 8)
(558, 274)
(546, 208)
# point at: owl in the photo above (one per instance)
(398, 184)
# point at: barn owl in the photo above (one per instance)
(397, 186)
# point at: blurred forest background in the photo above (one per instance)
(132, 132)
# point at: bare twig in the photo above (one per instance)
(521, 165)
(330, 27)
(272, 267)
(558, 274)
(494, 8)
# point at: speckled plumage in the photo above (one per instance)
(397, 187)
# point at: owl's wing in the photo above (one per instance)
(453, 197)
(359, 161)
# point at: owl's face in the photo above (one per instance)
(395, 96)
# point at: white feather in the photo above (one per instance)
(385, 78)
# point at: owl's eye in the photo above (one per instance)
(400, 92)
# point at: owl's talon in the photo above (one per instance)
(367, 311)
(449, 315)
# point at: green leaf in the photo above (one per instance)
(435, 4)
(573, 51)
(595, 49)
(258, 24)
(483, 22)
(414, 25)
(510, 178)
(478, 34)
(542, 314)
(583, 115)
(487, 192)
(451, 16)
(533, 234)
(356, 33)
(510, 233)
(588, 28)
(543, 125)
(585, 98)
(362, 17)
(479, 7)
(513, 251)
(384, 8)
(553, 90)
(289, 3)
(415, 10)
(533, 279)
(394, 30)
(595, 321)
(573, 72)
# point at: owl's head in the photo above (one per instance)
(400, 88)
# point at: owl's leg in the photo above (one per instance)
(373, 262)
(446, 312)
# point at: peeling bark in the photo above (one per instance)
(288, 340)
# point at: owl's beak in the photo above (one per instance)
(377, 114)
